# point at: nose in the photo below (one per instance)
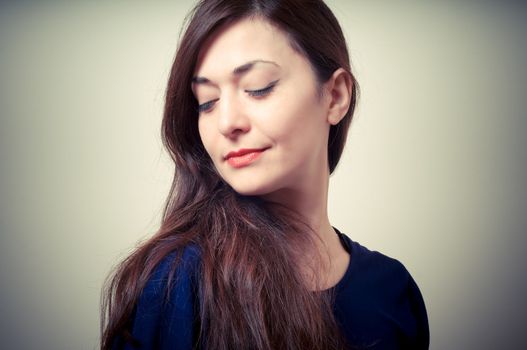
(233, 119)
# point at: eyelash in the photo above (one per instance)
(204, 107)
(261, 92)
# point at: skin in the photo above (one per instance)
(256, 91)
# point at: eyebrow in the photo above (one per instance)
(238, 71)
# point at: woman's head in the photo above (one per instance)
(291, 64)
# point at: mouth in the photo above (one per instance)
(243, 157)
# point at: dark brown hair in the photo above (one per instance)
(249, 249)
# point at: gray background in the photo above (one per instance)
(433, 173)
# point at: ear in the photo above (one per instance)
(339, 91)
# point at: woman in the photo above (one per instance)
(258, 105)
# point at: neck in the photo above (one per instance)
(309, 198)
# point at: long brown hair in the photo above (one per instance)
(249, 249)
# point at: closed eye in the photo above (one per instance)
(204, 107)
(262, 92)
(207, 106)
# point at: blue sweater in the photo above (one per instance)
(377, 304)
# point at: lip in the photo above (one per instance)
(243, 157)
(242, 152)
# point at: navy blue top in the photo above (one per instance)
(377, 304)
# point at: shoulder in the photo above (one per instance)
(164, 316)
(179, 267)
(171, 287)
(377, 270)
(379, 301)
(371, 270)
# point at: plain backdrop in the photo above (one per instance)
(433, 173)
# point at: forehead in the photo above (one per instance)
(241, 42)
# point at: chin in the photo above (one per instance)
(252, 189)
(248, 191)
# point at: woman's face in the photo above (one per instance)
(261, 118)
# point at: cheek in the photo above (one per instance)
(294, 119)
(207, 137)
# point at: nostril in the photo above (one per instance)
(233, 124)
